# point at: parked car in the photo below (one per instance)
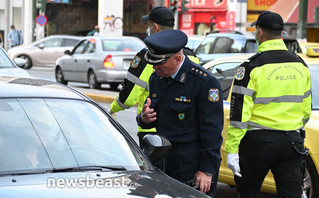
(44, 52)
(56, 142)
(225, 43)
(12, 68)
(194, 41)
(225, 69)
(98, 60)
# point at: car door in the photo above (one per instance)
(84, 60)
(70, 64)
(49, 51)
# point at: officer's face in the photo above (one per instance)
(170, 66)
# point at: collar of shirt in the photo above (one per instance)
(274, 44)
(174, 75)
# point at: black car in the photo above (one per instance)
(56, 142)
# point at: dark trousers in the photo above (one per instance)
(264, 150)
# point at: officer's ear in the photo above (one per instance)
(156, 27)
(179, 57)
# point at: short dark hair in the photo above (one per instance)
(270, 34)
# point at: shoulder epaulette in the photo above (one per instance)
(198, 72)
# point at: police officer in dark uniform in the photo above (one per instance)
(135, 85)
(186, 107)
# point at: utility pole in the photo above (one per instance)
(302, 19)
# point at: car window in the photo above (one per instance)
(225, 72)
(69, 42)
(55, 42)
(56, 133)
(292, 45)
(251, 46)
(4, 60)
(80, 47)
(121, 45)
(224, 44)
(89, 47)
(206, 46)
(314, 71)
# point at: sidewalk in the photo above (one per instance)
(99, 95)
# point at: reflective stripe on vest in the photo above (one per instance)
(137, 81)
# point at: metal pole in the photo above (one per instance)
(7, 24)
(302, 20)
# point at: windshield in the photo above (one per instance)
(218, 45)
(54, 134)
(314, 72)
(5, 62)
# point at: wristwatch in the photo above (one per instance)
(208, 174)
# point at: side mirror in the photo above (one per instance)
(41, 46)
(67, 52)
(156, 147)
(20, 62)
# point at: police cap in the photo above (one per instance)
(163, 45)
(161, 15)
(270, 21)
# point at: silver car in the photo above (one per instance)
(44, 52)
(98, 60)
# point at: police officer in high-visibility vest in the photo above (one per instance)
(136, 82)
(186, 107)
(270, 105)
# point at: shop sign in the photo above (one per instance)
(205, 4)
(187, 23)
(231, 20)
(260, 5)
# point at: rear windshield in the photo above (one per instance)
(121, 45)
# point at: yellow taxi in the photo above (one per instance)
(224, 69)
(305, 45)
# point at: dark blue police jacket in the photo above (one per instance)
(189, 114)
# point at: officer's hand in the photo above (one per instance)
(147, 114)
(233, 163)
(203, 181)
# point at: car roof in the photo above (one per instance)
(65, 36)
(231, 35)
(112, 37)
(27, 87)
(242, 58)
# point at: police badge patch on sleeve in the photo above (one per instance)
(213, 95)
(135, 62)
(240, 73)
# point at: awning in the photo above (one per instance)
(285, 8)
(289, 10)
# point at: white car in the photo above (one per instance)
(44, 52)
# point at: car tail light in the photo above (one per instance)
(108, 61)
